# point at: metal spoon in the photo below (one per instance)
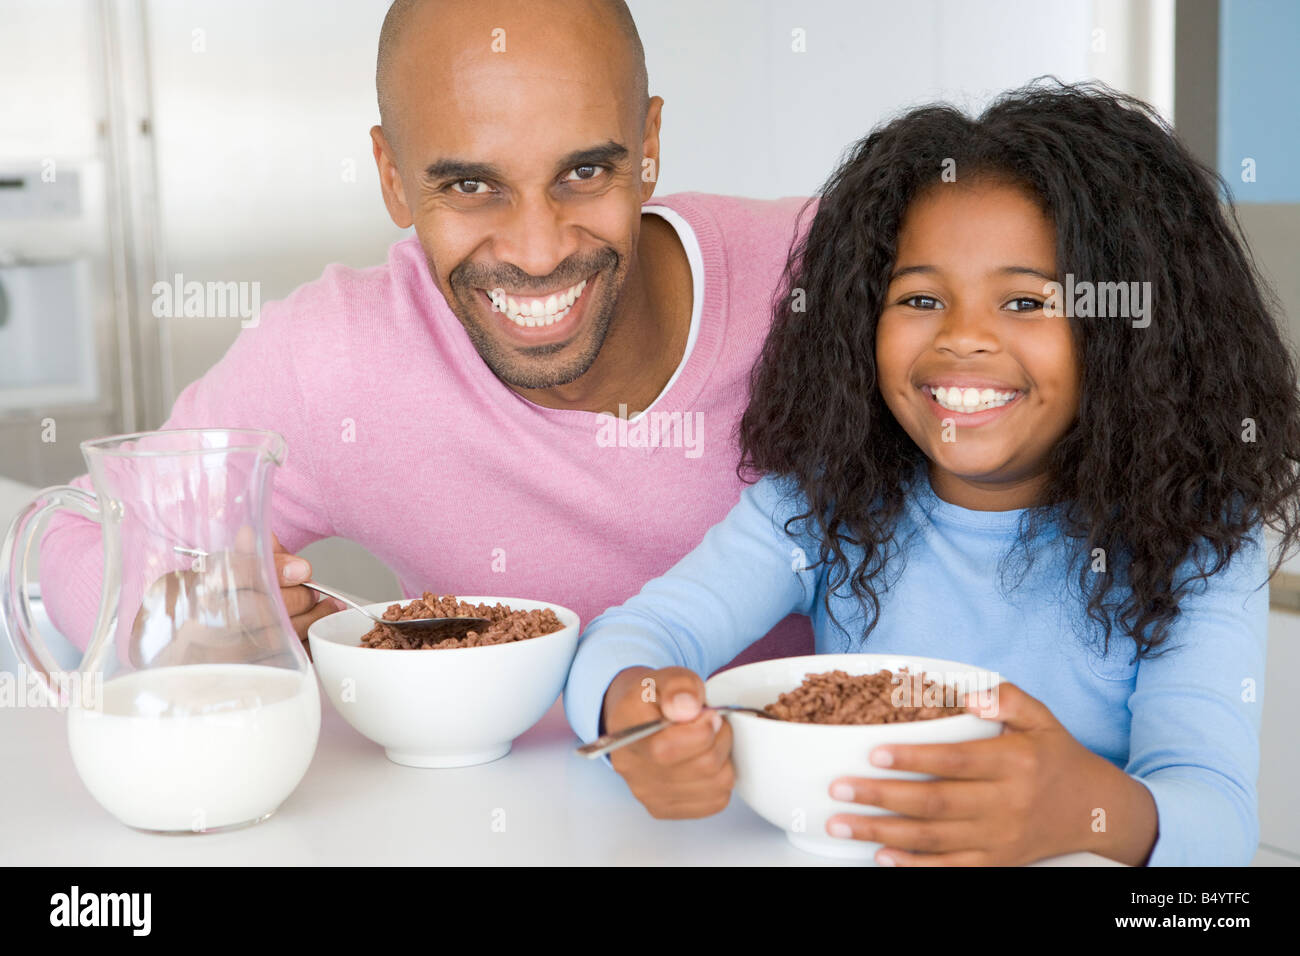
(463, 625)
(621, 738)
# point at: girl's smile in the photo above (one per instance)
(968, 403)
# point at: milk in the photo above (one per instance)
(197, 747)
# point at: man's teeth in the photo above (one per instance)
(958, 399)
(530, 313)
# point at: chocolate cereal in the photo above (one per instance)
(506, 625)
(880, 698)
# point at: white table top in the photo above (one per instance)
(541, 804)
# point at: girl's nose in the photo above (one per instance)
(966, 331)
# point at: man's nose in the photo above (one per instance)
(535, 237)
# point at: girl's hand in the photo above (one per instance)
(682, 771)
(1029, 793)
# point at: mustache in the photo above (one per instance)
(507, 276)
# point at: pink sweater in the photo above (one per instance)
(555, 507)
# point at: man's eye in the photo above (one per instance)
(1025, 303)
(922, 302)
(473, 185)
(583, 173)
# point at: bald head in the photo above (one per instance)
(596, 25)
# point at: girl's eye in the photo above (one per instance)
(473, 183)
(583, 173)
(1025, 303)
(922, 302)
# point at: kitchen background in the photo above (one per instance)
(228, 141)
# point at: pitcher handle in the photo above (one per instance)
(15, 601)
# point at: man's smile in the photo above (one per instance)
(539, 319)
(533, 311)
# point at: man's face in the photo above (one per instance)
(522, 173)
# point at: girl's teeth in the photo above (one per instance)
(956, 399)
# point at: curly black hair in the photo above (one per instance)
(1154, 470)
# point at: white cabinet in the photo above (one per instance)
(1279, 775)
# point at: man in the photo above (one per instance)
(536, 395)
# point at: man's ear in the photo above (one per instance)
(389, 179)
(650, 148)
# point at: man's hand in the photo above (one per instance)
(302, 604)
(682, 771)
(1029, 793)
(222, 612)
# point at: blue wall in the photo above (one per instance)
(1259, 98)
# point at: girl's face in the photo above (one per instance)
(981, 379)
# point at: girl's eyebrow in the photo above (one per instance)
(910, 270)
(1004, 270)
(1025, 271)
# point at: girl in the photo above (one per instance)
(1023, 405)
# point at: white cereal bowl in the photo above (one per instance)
(784, 769)
(454, 707)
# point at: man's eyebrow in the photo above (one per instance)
(458, 169)
(608, 152)
(1005, 270)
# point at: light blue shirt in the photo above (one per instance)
(1185, 723)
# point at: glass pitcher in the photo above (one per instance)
(197, 707)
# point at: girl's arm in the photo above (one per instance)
(741, 580)
(1194, 739)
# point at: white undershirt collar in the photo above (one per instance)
(696, 259)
